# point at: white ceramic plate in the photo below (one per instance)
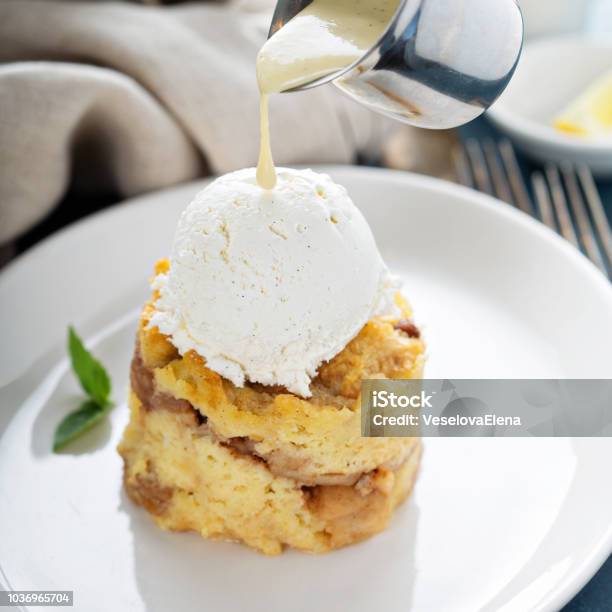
(549, 17)
(551, 73)
(495, 524)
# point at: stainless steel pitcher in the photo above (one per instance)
(439, 63)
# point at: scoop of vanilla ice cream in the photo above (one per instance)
(267, 285)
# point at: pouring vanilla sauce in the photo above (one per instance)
(323, 38)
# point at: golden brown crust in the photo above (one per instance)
(279, 462)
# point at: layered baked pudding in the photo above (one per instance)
(269, 452)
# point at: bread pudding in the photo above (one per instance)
(259, 464)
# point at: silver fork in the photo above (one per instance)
(566, 197)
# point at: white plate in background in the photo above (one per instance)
(546, 17)
(495, 524)
(551, 73)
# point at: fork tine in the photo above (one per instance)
(542, 197)
(479, 166)
(597, 210)
(585, 229)
(498, 176)
(560, 204)
(462, 166)
(519, 190)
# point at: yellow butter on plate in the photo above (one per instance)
(590, 114)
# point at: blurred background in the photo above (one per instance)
(101, 101)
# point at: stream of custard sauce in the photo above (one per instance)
(325, 37)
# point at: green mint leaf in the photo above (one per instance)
(90, 372)
(77, 423)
